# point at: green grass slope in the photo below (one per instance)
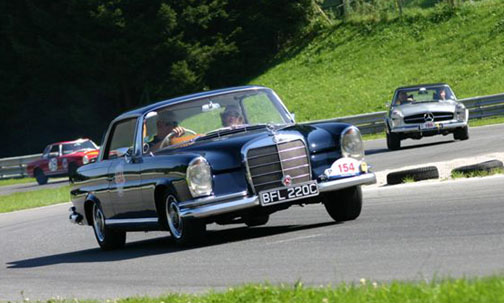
(354, 67)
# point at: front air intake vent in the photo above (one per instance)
(269, 164)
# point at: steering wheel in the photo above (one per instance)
(191, 131)
(166, 140)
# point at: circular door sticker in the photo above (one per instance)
(119, 179)
(64, 163)
(53, 164)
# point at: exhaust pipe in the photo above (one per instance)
(74, 217)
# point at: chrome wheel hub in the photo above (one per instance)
(99, 223)
(173, 215)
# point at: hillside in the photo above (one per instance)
(354, 67)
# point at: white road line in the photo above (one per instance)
(295, 239)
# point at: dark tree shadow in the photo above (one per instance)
(163, 245)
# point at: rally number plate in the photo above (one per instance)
(286, 194)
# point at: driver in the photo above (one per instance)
(166, 125)
(402, 98)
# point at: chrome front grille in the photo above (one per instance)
(269, 164)
(438, 116)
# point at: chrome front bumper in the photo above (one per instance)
(216, 205)
(416, 128)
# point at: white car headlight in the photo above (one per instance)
(199, 177)
(85, 160)
(396, 117)
(351, 143)
(461, 112)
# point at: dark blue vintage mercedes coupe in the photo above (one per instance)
(227, 156)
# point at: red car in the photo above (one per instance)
(62, 159)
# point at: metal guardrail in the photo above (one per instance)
(15, 167)
(372, 123)
(479, 107)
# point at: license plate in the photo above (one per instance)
(428, 125)
(286, 194)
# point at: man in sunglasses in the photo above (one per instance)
(166, 125)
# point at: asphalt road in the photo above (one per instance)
(483, 140)
(408, 232)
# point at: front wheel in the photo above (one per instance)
(257, 220)
(185, 231)
(40, 177)
(344, 204)
(107, 239)
(461, 133)
(393, 141)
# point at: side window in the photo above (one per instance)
(54, 152)
(45, 153)
(260, 109)
(121, 139)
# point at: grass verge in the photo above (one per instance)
(354, 67)
(16, 181)
(479, 173)
(43, 197)
(489, 289)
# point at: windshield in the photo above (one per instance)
(216, 115)
(423, 94)
(69, 148)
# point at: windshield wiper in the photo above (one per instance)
(223, 131)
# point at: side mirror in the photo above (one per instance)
(293, 115)
(53, 154)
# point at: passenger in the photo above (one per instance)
(232, 116)
(165, 124)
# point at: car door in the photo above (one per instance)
(53, 165)
(124, 171)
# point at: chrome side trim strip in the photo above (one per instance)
(211, 199)
(130, 221)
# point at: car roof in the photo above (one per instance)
(422, 85)
(143, 110)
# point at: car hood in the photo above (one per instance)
(225, 153)
(420, 108)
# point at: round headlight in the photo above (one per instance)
(199, 177)
(85, 160)
(351, 143)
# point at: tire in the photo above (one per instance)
(185, 231)
(41, 177)
(461, 133)
(418, 174)
(107, 239)
(344, 204)
(483, 166)
(393, 141)
(256, 220)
